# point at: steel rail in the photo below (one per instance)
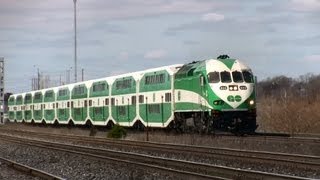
(212, 171)
(295, 160)
(30, 170)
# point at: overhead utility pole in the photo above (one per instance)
(38, 79)
(75, 40)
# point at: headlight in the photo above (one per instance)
(251, 102)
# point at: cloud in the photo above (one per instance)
(308, 41)
(191, 42)
(305, 5)
(123, 55)
(56, 17)
(155, 54)
(232, 25)
(212, 17)
(141, 8)
(117, 72)
(312, 58)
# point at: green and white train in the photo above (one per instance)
(199, 96)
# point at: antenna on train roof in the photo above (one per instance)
(223, 56)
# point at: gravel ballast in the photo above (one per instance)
(217, 160)
(237, 142)
(263, 144)
(12, 174)
(71, 166)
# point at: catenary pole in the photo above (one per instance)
(75, 40)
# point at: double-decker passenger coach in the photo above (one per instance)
(199, 96)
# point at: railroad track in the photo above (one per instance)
(280, 137)
(30, 170)
(297, 160)
(190, 170)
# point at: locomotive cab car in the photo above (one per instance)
(199, 96)
(216, 94)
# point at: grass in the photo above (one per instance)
(117, 132)
(290, 115)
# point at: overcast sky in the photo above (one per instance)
(273, 37)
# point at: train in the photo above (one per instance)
(201, 96)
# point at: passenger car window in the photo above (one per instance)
(248, 77)
(237, 76)
(225, 77)
(214, 77)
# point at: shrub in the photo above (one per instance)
(292, 116)
(117, 132)
(93, 131)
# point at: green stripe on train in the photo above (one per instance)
(63, 114)
(19, 115)
(28, 115)
(12, 115)
(79, 114)
(124, 113)
(181, 106)
(38, 115)
(49, 114)
(155, 113)
(99, 113)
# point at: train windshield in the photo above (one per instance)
(214, 77)
(225, 77)
(237, 76)
(248, 77)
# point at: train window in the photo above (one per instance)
(85, 103)
(214, 77)
(28, 98)
(98, 110)
(71, 104)
(141, 99)
(190, 72)
(90, 103)
(112, 101)
(106, 101)
(27, 113)
(37, 96)
(53, 105)
(154, 108)
(63, 92)
(49, 94)
(19, 98)
(61, 112)
(77, 111)
(68, 104)
(11, 99)
(225, 77)
(79, 90)
(237, 76)
(124, 84)
(122, 110)
(57, 105)
(133, 100)
(248, 77)
(168, 97)
(154, 79)
(99, 87)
